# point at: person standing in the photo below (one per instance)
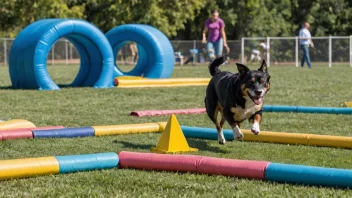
(134, 51)
(215, 27)
(305, 42)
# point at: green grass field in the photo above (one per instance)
(75, 107)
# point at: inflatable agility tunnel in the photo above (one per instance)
(156, 55)
(28, 55)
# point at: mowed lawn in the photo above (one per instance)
(75, 107)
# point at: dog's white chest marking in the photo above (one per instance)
(250, 109)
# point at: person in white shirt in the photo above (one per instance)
(256, 54)
(305, 42)
(264, 48)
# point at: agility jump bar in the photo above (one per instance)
(190, 132)
(272, 137)
(166, 82)
(266, 108)
(62, 132)
(303, 109)
(348, 104)
(30, 167)
(261, 170)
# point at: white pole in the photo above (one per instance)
(66, 51)
(268, 51)
(5, 52)
(296, 51)
(330, 51)
(351, 51)
(242, 51)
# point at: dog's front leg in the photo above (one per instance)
(238, 135)
(256, 121)
(229, 117)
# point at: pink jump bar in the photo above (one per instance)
(194, 163)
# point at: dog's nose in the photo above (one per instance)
(258, 92)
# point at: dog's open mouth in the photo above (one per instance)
(256, 99)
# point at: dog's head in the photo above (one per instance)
(254, 83)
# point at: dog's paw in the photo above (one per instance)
(221, 138)
(255, 128)
(238, 135)
(222, 141)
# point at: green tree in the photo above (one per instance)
(168, 16)
(331, 17)
(20, 13)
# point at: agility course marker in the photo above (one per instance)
(266, 108)
(167, 112)
(129, 129)
(262, 170)
(88, 162)
(16, 124)
(172, 82)
(303, 109)
(272, 137)
(20, 168)
(172, 139)
(16, 134)
(30, 167)
(6, 134)
(189, 132)
(193, 163)
(308, 175)
(348, 104)
(47, 128)
(64, 133)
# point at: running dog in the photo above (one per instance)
(237, 97)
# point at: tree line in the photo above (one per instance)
(184, 19)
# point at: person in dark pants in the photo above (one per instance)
(305, 42)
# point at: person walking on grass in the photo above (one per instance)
(215, 27)
(305, 42)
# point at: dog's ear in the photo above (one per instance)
(263, 67)
(242, 69)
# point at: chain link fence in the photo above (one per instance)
(282, 51)
(328, 51)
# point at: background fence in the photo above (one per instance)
(328, 51)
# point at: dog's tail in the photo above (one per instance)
(215, 64)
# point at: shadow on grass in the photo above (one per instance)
(6, 87)
(204, 146)
(194, 143)
(134, 145)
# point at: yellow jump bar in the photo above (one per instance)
(169, 82)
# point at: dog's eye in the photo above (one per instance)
(251, 81)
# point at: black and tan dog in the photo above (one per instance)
(236, 96)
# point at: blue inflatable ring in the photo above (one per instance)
(156, 55)
(29, 53)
